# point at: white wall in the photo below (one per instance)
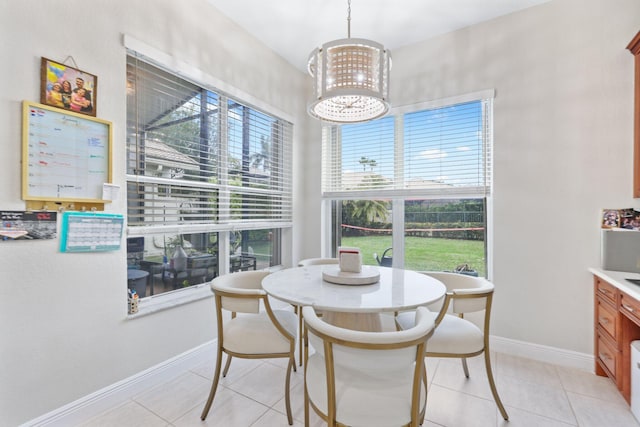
(563, 142)
(563, 145)
(63, 326)
(562, 151)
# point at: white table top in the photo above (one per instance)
(397, 290)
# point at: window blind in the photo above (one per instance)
(259, 167)
(436, 152)
(197, 158)
(447, 150)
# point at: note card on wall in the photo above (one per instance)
(66, 156)
(90, 232)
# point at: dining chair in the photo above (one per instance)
(298, 310)
(250, 332)
(365, 378)
(454, 335)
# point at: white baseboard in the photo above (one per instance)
(543, 353)
(95, 403)
(122, 391)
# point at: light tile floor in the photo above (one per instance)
(535, 394)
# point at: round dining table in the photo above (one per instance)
(354, 306)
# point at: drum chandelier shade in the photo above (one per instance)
(350, 80)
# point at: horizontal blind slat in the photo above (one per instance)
(176, 157)
(442, 150)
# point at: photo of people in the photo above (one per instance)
(628, 219)
(610, 218)
(68, 88)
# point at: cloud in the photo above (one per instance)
(463, 148)
(433, 154)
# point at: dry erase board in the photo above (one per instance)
(66, 157)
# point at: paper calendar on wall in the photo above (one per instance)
(90, 232)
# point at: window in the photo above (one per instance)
(413, 187)
(208, 182)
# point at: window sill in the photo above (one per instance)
(168, 300)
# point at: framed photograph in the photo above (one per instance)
(68, 88)
(610, 218)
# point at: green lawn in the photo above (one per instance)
(424, 253)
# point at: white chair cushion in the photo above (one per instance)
(453, 335)
(360, 399)
(407, 319)
(256, 334)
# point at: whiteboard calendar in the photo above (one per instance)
(66, 156)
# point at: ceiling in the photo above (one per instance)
(293, 28)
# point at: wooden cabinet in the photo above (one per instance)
(606, 291)
(607, 319)
(609, 357)
(634, 47)
(616, 324)
(630, 307)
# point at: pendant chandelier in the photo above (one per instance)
(350, 79)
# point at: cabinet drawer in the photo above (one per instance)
(606, 290)
(606, 316)
(630, 307)
(607, 355)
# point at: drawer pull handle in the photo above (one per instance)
(628, 308)
(603, 320)
(603, 291)
(605, 356)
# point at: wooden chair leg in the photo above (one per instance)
(465, 368)
(305, 341)
(214, 386)
(426, 391)
(492, 383)
(287, 394)
(299, 310)
(226, 366)
(306, 408)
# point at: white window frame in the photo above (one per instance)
(397, 197)
(162, 60)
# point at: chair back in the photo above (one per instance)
(202, 261)
(240, 292)
(317, 261)
(390, 363)
(466, 294)
(457, 336)
(357, 349)
(202, 266)
(254, 333)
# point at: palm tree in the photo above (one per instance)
(369, 211)
(364, 161)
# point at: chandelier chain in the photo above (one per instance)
(349, 19)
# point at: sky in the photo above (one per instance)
(443, 144)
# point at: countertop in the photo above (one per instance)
(617, 279)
